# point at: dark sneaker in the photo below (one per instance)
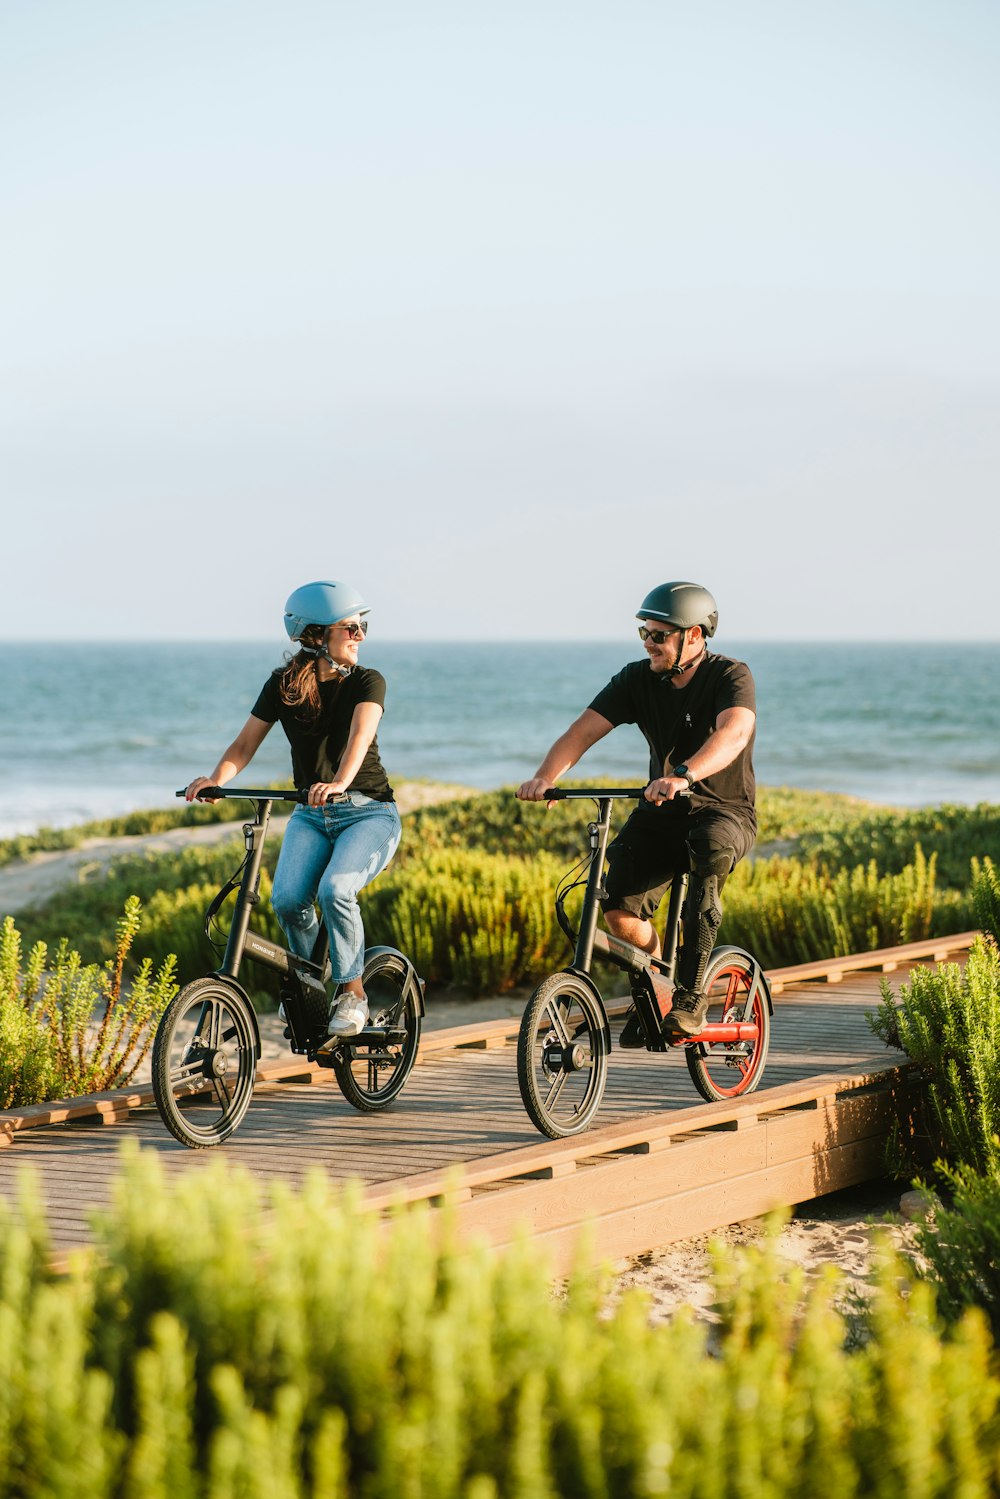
(689, 1013)
(632, 1037)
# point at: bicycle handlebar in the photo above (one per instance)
(272, 794)
(634, 793)
(560, 794)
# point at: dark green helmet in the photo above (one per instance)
(683, 605)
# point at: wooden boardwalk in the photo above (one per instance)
(818, 1122)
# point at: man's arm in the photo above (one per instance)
(567, 750)
(733, 728)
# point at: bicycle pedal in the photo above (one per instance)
(633, 1037)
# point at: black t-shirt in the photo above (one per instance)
(677, 721)
(319, 743)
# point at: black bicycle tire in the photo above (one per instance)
(537, 1107)
(201, 991)
(368, 1101)
(694, 1053)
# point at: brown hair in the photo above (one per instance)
(299, 680)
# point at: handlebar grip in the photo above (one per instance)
(204, 793)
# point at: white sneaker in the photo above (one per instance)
(349, 1017)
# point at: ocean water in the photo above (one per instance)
(89, 730)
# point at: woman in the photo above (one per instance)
(329, 708)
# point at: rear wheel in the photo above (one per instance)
(204, 1063)
(562, 1055)
(371, 1074)
(727, 1069)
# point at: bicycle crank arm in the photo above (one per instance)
(725, 1033)
(372, 1035)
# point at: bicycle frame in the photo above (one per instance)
(641, 965)
(207, 1043)
(304, 976)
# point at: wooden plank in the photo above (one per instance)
(640, 1202)
(642, 1132)
(885, 959)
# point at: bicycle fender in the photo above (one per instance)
(728, 950)
(414, 984)
(578, 973)
(224, 978)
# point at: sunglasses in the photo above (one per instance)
(656, 636)
(356, 630)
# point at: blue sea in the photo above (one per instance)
(89, 730)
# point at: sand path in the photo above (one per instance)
(26, 883)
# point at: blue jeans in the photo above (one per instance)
(329, 854)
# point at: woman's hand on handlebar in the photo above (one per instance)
(191, 791)
(321, 792)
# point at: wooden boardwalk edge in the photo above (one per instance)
(638, 1185)
(638, 1202)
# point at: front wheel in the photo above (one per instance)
(562, 1055)
(371, 1074)
(204, 1063)
(728, 1069)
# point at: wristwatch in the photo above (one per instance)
(682, 770)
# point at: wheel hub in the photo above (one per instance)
(571, 1058)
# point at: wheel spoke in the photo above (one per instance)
(188, 1070)
(558, 1015)
(558, 1083)
(215, 1027)
(222, 1091)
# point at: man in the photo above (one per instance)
(697, 711)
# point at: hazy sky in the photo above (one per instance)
(504, 313)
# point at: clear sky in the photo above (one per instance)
(502, 312)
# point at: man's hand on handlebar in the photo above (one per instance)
(534, 790)
(665, 788)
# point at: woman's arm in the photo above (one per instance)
(364, 723)
(234, 759)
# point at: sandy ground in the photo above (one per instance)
(28, 882)
(837, 1230)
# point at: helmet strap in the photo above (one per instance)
(677, 670)
(321, 653)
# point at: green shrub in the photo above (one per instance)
(68, 1028)
(947, 1020)
(449, 897)
(232, 1337)
(789, 912)
(483, 921)
(956, 835)
(27, 1069)
(986, 897)
(961, 1243)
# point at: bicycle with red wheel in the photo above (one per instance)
(565, 1036)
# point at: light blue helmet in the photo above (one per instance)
(321, 604)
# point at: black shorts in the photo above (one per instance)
(655, 846)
